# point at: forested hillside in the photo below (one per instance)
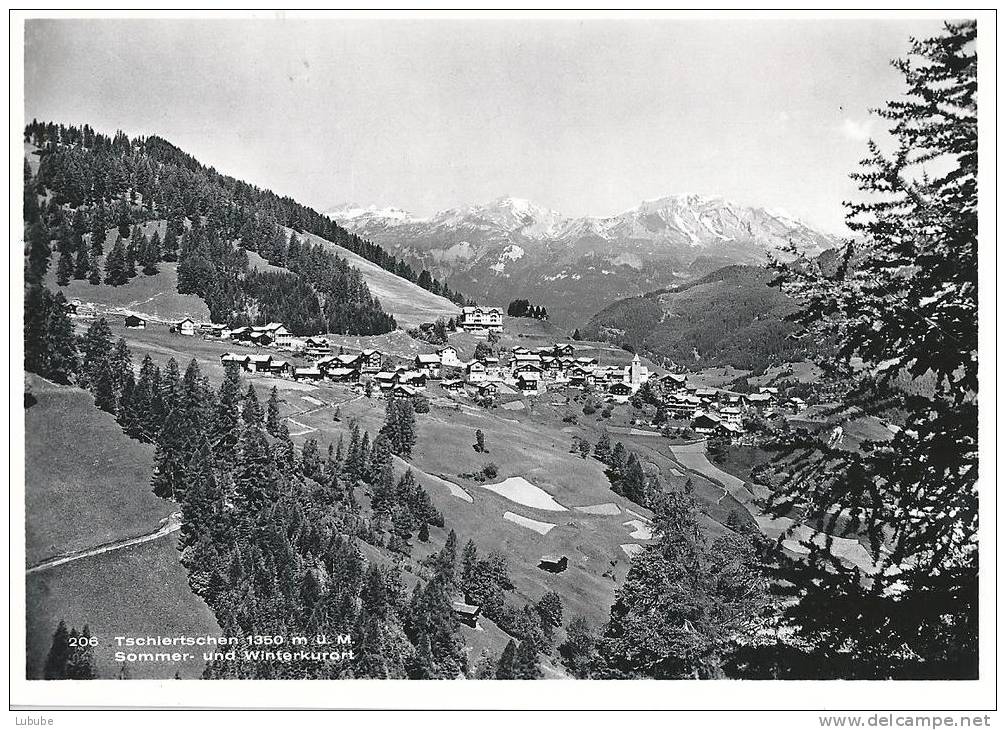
(729, 317)
(86, 183)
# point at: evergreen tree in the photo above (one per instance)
(50, 349)
(59, 653)
(901, 303)
(251, 411)
(64, 269)
(82, 265)
(115, 265)
(170, 245)
(95, 349)
(94, 275)
(506, 668)
(272, 421)
(225, 428)
(686, 604)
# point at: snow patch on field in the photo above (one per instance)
(521, 491)
(541, 528)
(640, 530)
(313, 401)
(631, 548)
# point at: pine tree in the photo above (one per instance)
(59, 653)
(115, 265)
(64, 268)
(82, 265)
(50, 348)
(39, 253)
(901, 304)
(272, 421)
(170, 245)
(225, 428)
(200, 498)
(130, 258)
(251, 411)
(94, 275)
(95, 349)
(506, 668)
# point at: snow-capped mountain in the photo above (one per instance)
(512, 248)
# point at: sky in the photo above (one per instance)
(587, 117)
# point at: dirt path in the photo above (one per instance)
(171, 524)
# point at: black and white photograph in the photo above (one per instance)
(633, 354)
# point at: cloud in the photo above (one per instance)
(858, 131)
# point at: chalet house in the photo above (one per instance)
(467, 614)
(757, 400)
(370, 361)
(581, 378)
(526, 357)
(316, 347)
(493, 367)
(347, 361)
(481, 318)
(279, 333)
(619, 393)
(553, 563)
(258, 363)
(671, 383)
(429, 365)
(324, 363)
(449, 357)
(307, 374)
(730, 414)
(238, 334)
(278, 367)
(529, 382)
(586, 362)
(212, 330)
(135, 323)
(343, 375)
(519, 350)
(262, 339)
(488, 390)
(229, 358)
(476, 372)
(706, 423)
(565, 349)
(186, 327)
(413, 378)
(404, 391)
(526, 367)
(453, 384)
(386, 379)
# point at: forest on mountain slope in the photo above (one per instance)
(87, 183)
(728, 317)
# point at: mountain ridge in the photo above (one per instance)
(512, 247)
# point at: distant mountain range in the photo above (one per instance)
(512, 248)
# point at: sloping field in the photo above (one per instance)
(693, 457)
(86, 482)
(409, 303)
(137, 591)
(149, 296)
(538, 453)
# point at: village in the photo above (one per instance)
(493, 376)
